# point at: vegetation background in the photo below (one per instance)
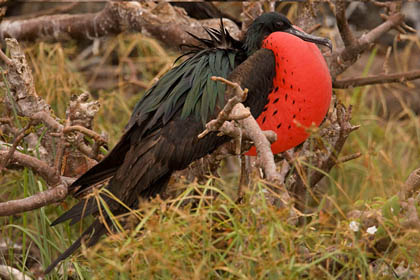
(193, 235)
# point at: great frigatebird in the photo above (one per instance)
(161, 136)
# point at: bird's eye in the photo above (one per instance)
(278, 24)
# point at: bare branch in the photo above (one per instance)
(36, 201)
(344, 58)
(4, 57)
(163, 21)
(239, 95)
(23, 99)
(349, 157)
(345, 128)
(377, 79)
(86, 131)
(40, 167)
(250, 129)
(27, 103)
(324, 157)
(45, 117)
(343, 25)
(16, 142)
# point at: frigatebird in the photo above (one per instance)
(161, 135)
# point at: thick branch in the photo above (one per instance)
(46, 118)
(163, 21)
(265, 156)
(343, 25)
(377, 79)
(36, 201)
(38, 166)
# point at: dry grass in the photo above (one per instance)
(217, 238)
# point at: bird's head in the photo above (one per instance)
(268, 23)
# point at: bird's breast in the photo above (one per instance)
(301, 93)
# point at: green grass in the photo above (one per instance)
(216, 238)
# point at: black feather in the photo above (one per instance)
(161, 135)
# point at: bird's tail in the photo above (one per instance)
(93, 233)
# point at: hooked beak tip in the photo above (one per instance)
(328, 44)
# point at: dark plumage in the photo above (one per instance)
(161, 136)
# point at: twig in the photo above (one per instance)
(377, 79)
(343, 119)
(60, 149)
(250, 128)
(244, 177)
(16, 142)
(342, 59)
(265, 156)
(97, 137)
(349, 157)
(325, 157)
(91, 152)
(5, 58)
(226, 113)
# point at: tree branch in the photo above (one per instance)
(343, 25)
(323, 154)
(377, 79)
(38, 166)
(342, 59)
(22, 98)
(36, 201)
(250, 129)
(86, 131)
(18, 138)
(166, 23)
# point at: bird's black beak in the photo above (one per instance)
(309, 38)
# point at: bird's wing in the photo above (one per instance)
(186, 90)
(174, 144)
(150, 159)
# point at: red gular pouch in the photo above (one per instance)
(301, 93)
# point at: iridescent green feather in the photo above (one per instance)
(188, 87)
